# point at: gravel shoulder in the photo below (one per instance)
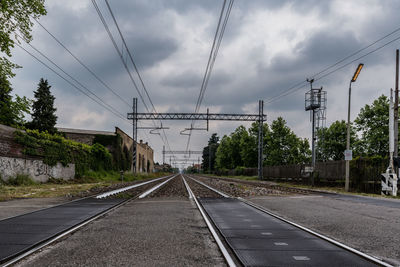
(150, 232)
(239, 188)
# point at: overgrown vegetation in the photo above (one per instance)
(20, 179)
(55, 148)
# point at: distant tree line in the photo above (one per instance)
(240, 149)
(368, 137)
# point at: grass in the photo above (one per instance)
(24, 187)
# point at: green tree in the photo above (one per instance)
(16, 16)
(223, 156)
(373, 124)
(7, 116)
(43, 116)
(332, 141)
(284, 147)
(12, 113)
(209, 152)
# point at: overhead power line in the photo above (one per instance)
(72, 84)
(302, 84)
(82, 64)
(72, 78)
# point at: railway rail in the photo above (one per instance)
(23, 235)
(255, 236)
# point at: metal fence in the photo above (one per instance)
(364, 173)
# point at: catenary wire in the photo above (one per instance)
(134, 65)
(124, 63)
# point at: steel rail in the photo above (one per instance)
(187, 188)
(221, 246)
(328, 239)
(148, 192)
(73, 228)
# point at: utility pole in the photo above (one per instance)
(396, 113)
(260, 138)
(163, 155)
(134, 134)
(348, 154)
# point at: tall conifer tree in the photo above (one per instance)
(7, 116)
(43, 115)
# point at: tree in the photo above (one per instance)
(7, 117)
(15, 16)
(12, 113)
(43, 117)
(284, 147)
(373, 124)
(332, 141)
(209, 152)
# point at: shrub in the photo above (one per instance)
(21, 179)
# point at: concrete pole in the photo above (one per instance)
(348, 143)
(260, 138)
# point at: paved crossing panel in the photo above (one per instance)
(20, 233)
(259, 239)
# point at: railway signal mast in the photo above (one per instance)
(315, 102)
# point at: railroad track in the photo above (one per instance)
(25, 234)
(250, 235)
(245, 233)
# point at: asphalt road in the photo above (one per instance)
(150, 232)
(371, 225)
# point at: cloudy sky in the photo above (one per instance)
(268, 47)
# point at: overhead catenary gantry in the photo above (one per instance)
(260, 118)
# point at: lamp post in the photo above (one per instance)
(348, 152)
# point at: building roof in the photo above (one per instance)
(80, 131)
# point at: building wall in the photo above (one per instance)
(145, 157)
(14, 162)
(144, 153)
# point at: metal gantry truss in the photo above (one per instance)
(195, 116)
(260, 117)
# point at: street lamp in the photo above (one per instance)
(348, 153)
